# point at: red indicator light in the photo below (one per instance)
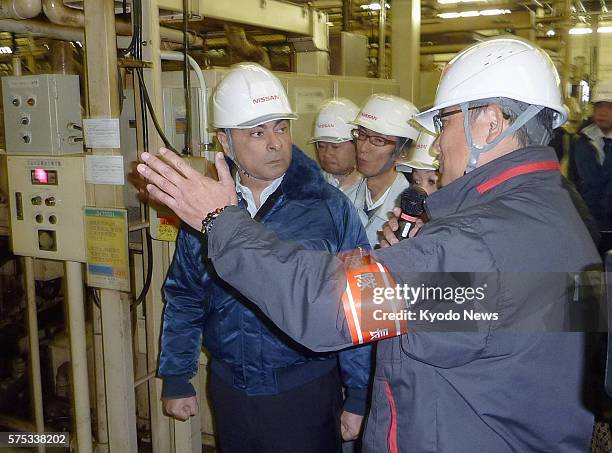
(40, 175)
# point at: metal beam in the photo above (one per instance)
(405, 43)
(547, 44)
(103, 102)
(515, 21)
(272, 14)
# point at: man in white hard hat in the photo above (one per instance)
(268, 393)
(421, 166)
(509, 379)
(383, 132)
(591, 161)
(335, 147)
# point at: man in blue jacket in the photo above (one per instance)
(591, 161)
(269, 394)
(503, 216)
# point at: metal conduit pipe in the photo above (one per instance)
(19, 9)
(78, 355)
(34, 347)
(60, 14)
(66, 33)
(40, 28)
(203, 106)
(172, 35)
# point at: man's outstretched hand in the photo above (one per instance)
(191, 195)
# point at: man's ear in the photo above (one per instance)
(496, 121)
(222, 137)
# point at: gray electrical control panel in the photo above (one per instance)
(42, 114)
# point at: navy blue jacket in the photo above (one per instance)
(593, 180)
(247, 350)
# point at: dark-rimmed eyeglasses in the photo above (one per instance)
(376, 140)
(437, 119)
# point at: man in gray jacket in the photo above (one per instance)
(503, 212)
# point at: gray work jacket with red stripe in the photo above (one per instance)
(489, 391)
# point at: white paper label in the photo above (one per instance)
(308, 100)
(102, 133)
(104, 170)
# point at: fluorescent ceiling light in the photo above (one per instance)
(374, 6)
(494, 12)
(448, 15)
(580, 31)
(485, 12)
(606, 29)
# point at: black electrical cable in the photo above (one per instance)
(147, 284)
(93, 294)
(145, 104)
(136, 27)
(186, 78)
(167, 143)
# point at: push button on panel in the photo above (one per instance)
(50, 201)
(36, 200)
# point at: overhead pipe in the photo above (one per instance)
(41, 28)
(67, 33)
(60, 14)
(173, 35)
(203, 107)
(237, 39)
(19, 9)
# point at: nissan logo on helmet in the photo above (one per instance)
(325, 125)
(273, 97)
(369, 116)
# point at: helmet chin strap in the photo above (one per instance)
(477, 150)
(391, 161)
(232, 155)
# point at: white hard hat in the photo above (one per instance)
(423, 156)
(333, 124)
(389, 115)
(249, 95)
(507, 67)
(602, 92)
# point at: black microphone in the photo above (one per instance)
(412, 204)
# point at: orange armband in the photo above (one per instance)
(372, 311)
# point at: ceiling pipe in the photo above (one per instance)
(19, 9)
(238, 40)
(172, 35)
(60, 14)
(66, 33)
(41, 28)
